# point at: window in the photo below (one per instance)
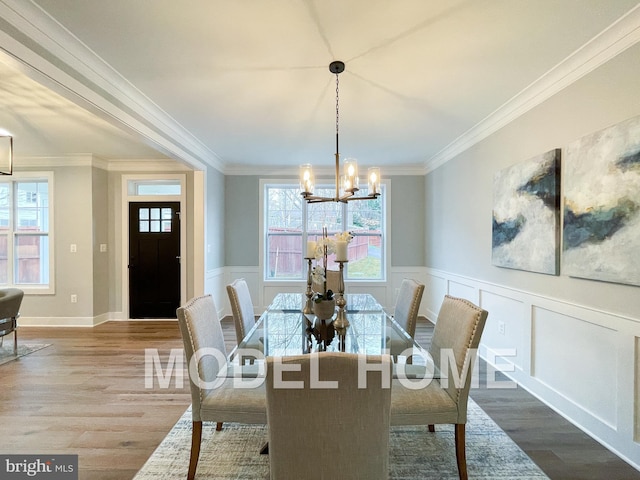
(25, 219)
(290, 222)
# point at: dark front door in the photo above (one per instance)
(154, 259)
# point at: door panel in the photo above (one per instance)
(154, 259)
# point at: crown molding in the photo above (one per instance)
(324, 172)
(46, 51)
(615, 39)
(111, 165)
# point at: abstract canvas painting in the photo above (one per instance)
(526, 215)
(601, 233)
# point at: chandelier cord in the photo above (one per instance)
(337, 112)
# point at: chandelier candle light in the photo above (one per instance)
(345, 191)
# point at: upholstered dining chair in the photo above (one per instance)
(10, 302)
(408, 304)
(454, 344)
(213, 399)
(241, 307)
(333, 282)
(406, 315)
(323, 431)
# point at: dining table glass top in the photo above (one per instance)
(283, 330)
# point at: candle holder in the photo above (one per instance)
(308, 307)
(341, 318)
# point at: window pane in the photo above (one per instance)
(155, 224)
(32, 259)
(32, 213)
(144, 226)
(327, 214)
(166, 226)
(365, 222)
(5, 206)
(158, 189)
(284, 254)
(143, 213)
(284, 233)
(4, 267)
(155, 213)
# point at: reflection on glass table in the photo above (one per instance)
(283, 330)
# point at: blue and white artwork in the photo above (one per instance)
(526, 215)
(601, 233)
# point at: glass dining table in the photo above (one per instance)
(283, 330)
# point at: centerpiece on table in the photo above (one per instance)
(324, 301)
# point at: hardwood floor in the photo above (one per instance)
(86, 395)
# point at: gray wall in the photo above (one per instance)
(100, 232)
(215, 218)
(459, 194)
(242, 232)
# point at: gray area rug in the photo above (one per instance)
(233, 453)
(6, 351)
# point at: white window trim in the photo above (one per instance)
(321, 181)
(28, 288)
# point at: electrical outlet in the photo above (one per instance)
(74, 298)
(501, 328)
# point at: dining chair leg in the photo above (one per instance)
(218, 426)
(196, 438)
(460, 451)
(432, 427)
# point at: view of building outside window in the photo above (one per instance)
(290, 222)
(24, 232)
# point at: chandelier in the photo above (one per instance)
(347, 188)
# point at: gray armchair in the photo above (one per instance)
(344, 430)
(10, 302)
(455, 340)
(213, 399)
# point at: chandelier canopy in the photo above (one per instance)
(347, 186)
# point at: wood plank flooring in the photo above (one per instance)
(86, 395)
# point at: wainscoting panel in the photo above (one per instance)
(463, 290)
(582, 362)
(569, 353)
(507, 329)
(436, 287)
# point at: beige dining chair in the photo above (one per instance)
(406, 315)
(408, 305)
(241, 307)
(454, 344)
(316, 432)
(333, 282)
(214, 398)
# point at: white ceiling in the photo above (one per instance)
(244, 83)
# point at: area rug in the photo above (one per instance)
(414, 453)
(6, 351)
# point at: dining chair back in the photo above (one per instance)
(316, 405)
(333, 282)
(408, 305)
(241, 307)
(453, 348)
(213, 396)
